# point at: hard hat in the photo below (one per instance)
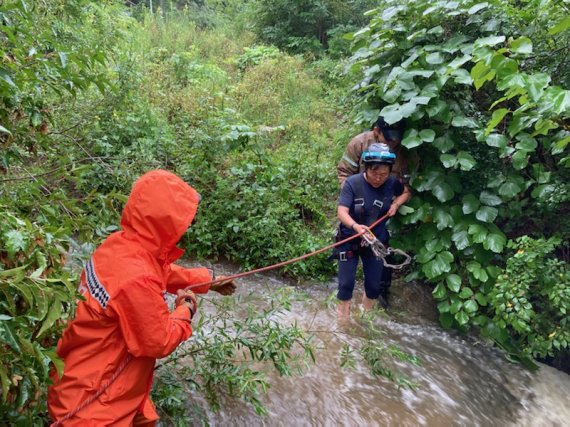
(378, 153)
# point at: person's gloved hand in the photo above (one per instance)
(227, 287)
(187, 298)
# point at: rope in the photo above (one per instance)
(129, 357)
(99, 392)
(291, 261)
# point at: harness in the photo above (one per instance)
(362, 217)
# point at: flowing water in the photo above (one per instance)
(461, 381)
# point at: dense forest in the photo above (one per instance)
(253, 103)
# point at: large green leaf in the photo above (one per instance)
(434, 58)
(448, 160)
(462, 76)
(53, 314)
(489, 199)
(520, 159)
(509, 189)
(479, 232)
(7, 335)
(439, 292)
(446, 320)
(521, 45)
(427, 135)
(470, 204)
(481, 299)
(496, 140)
(439, 265)
(443, 192)
(561, 26)
(497, 117)
(489, 41)
(412, 139)
(481, 73)
(536, 83)
(526, 142)
(443, 307)
(461, 317)
(436, 108)
(453, 282)
(478, 272)
(455, 307)
(486, 214)
(462, 121)
(57, 362)
(466, 160)
(461, 239)
(442, 219)
(458, 62)
(470, 306)
(466, 293)
(495, 242)
(392, 114)
(560, 99)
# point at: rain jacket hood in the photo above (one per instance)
(158, 212)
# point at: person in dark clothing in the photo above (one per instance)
(364, 198)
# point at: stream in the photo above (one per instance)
(461, 381)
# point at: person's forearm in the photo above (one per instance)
(402, 198)
(345, 218)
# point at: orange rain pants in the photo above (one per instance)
(125, 312)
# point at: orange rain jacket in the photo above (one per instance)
(125, 311)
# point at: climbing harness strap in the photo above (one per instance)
(360, 214)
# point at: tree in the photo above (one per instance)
(488, 116)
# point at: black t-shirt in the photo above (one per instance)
(384, 195)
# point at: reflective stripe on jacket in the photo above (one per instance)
(124, 311)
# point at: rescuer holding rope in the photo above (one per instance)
(364, 198)
(124, 324)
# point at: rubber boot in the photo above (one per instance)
(367, 303)
(343, 310)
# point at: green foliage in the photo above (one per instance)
(35, 300)
(47, 51)
(486, 114)
(531, 298)
(230, 350)
(132, 96)
(254, 55)
(308, 26)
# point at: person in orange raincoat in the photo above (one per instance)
(124, 323)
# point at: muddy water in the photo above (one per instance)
(461, 381)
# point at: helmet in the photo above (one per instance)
(391, 132)
(378, 153)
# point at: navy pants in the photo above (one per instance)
(373, 274)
